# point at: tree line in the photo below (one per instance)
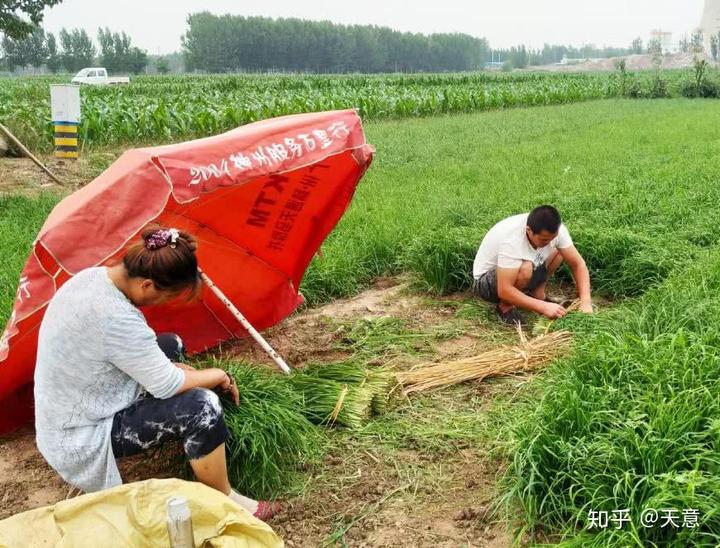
(232, 43)
(522, 56)
(73, 51)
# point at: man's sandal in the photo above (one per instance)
(511, 317)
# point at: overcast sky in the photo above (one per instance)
(156, 25)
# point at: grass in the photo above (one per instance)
(20, 221)
(641, 172)
(631, 421)
(626, 175)
(383, 338)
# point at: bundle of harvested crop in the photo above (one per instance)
(378, 381)
(502, 361)
(270, 435)
(328, 402)
(381, 383)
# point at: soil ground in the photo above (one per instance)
(22, 176)
(634, 62)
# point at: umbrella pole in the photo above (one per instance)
(246, 324)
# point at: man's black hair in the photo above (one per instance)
(544, 217)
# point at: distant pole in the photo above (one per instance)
(65, 106)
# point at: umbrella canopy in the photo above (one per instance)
(259, 199)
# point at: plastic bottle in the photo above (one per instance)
(179, 523)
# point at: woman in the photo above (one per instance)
(104, 387)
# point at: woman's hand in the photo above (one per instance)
(229, 386)
(210, 378)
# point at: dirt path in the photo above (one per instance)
(22, 176)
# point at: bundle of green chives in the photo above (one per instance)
(381, 383)
(329, 388)
(270, 435)
(327, 401)
(377, 380)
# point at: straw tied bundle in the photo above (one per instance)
(503, 361)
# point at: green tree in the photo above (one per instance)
(162, 65)
(696, 42)
(637, 45)
(108, 57)
(654, 47)
(226, 43)
(714, 47)
(30, 51)
(117, 53)
(684, 44)
(137, 60)
(13, 14)
(53, 55)
(78, 50)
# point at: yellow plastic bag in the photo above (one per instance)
(134, 515)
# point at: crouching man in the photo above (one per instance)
(518, 256)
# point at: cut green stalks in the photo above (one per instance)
(329, 402)
(377, 380)
(344, 393)
(270, 436)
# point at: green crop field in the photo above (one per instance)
(171, 108)
(631, 420)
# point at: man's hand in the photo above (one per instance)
(553, 311)
(228, 385)
(586, 307)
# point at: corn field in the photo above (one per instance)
(154, 109)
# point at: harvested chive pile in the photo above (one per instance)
(329, 402)
(273, 431)
(344, 393)
(270, 435)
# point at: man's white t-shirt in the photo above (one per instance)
(506, 246)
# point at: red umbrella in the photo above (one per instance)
(260, 200)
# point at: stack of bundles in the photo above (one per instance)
(270, 436)
(505, 360)
(344, 393)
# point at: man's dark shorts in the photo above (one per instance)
(486, 285)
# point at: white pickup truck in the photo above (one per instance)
(98, 77)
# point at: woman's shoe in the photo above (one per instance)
(266, 510)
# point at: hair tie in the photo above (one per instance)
(161, 238)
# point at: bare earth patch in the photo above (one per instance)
(22, 176)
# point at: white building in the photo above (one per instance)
(710, 24)
(665, 39)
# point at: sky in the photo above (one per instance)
(157, 25)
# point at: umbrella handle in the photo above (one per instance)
(246, 324)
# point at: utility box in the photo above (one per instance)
(65, 106)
